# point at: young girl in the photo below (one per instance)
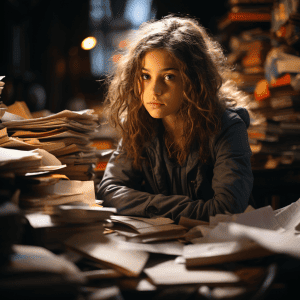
(184, 149)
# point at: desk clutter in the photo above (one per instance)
(58, 241)
(138, 256)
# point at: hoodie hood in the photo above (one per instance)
(237, 113)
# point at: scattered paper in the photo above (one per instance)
(171, 273)
(170, 248)
(105, 249)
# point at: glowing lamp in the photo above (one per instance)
(88, 43)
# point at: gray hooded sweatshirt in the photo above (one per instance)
(193, 190)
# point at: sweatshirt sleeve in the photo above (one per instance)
(121, 186)
(232, 182)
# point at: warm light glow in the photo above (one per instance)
(88, 43)
(116, 57)
(123, 44)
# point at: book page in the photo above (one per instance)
(139, 222)
(133, 223)
(154, 221)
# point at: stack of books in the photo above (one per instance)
(286, 22)
(244, 12)
(247, 52)
(274, 139)
(267, 67)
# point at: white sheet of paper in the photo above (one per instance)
(262, 218)
(278, 241)
(289, 218)
(171, 273)
(7, 155)
(38, 220)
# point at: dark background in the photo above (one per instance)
(52, 69)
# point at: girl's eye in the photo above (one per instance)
(169, 77)
(145, 76)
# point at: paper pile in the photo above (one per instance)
(38, 188)
(67, 220)
(28, 162)
(255, 233)
(198, 255)
(65, 135)
(145, 229)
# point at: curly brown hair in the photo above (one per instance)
(208, 91)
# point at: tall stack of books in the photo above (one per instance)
(248, 52)
(274, 140)
(267, 68)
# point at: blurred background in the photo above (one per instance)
(55, 55)
(53, 52)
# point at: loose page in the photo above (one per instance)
(11, 120)
(222, 252)
(83, 191)
(262, 218)
(285, 242)
(172, 273)
(38, 259)
(11, 155)
(289, 218)
(170, 248)
(105, 249)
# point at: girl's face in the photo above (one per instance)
(162, 85)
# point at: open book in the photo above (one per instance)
(146, 229)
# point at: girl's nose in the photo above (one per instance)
(157, 88)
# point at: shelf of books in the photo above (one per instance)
(267, 68)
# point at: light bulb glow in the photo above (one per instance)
(88, 43)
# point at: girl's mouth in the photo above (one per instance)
(155, 104)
